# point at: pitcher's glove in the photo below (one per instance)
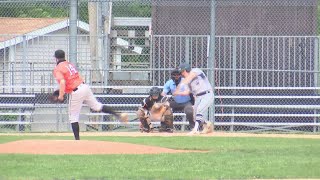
(53, 98)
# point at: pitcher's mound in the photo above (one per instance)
(80, 147)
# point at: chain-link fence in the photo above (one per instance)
(262, 58)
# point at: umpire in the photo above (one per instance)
(180, 102)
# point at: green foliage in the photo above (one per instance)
(51, 10)
(9, 117)
(83, 12)
(131, 10)
(37, 11)
(11, 127)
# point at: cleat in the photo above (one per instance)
(145, 130)
(151, 126)
(207, 128)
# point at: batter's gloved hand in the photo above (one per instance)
(53, 98)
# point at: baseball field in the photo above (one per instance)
(159, 156)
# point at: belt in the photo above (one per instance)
(75, 89)
(203, 93)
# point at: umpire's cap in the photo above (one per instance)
(175, 72)
(154, 91)
(184, 66)
(59, 54)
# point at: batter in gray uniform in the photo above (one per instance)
(200, 86)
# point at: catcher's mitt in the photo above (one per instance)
(54, 97)
(157, 111)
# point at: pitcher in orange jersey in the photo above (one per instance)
(70, 82)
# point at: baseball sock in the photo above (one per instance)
(197, 124)
(75, 129)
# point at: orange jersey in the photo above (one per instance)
(68, 72)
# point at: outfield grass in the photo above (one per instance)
(228, 158)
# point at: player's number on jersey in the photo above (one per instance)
(71, 69)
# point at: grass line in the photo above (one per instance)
(228, 158)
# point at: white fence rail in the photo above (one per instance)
(297, 113)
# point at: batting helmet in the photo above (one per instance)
(184, 66)
(154, 91)
(59, 54)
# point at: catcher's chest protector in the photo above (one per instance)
(150, 102)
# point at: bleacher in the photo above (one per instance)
(40, 115)
(236, 109)
(16, 116)
(267, 109)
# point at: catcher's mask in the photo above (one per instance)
(176, 76)
(184, 66)
(154, 92)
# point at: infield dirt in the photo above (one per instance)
(105, 147)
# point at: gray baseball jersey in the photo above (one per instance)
(200, 83)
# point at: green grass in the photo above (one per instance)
(228, 158)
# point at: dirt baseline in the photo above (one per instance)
(73, 147)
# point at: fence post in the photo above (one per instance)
(316, 78)
(107, 15)
(234, 74)
(211, 60)
(73, 31)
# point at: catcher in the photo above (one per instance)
(155, 108)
